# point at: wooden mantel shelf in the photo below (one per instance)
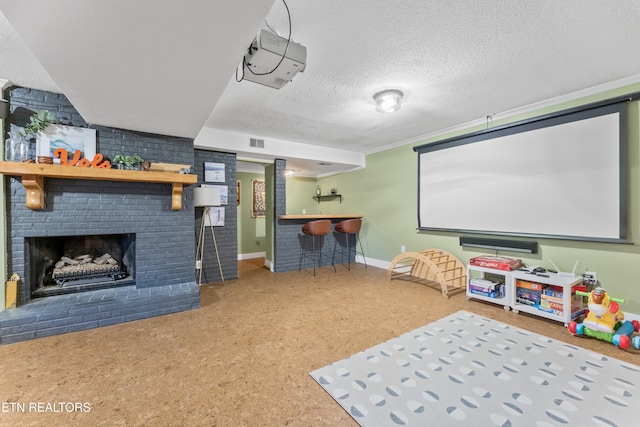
(33, 175)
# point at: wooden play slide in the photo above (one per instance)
(431, 266)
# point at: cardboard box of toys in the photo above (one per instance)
(497, 262)
(551, 304)
(529, 285)
(486, 288)
(527, 297)
(552, 301)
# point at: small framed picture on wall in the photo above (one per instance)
(214, 172)
(258, 205)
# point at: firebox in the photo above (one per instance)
(68, 264)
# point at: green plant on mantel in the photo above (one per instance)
(37, 123)
(127, 161)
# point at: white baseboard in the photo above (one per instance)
(251, 255)
(374, 262)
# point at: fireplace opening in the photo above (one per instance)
(66, 264)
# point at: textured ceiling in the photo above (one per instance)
(147, 65)
(455, 62)
(168, 67)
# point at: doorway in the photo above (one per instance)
(255, 201)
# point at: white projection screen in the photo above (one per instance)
(562, 176)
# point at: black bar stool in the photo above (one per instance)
(319, 228)
(350, 227)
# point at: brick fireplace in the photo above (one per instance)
(160, 269)
(68, 264)
(161, 280)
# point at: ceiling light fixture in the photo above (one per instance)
(388, 101)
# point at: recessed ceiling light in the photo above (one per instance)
(325, 164)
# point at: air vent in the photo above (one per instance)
(257, 143)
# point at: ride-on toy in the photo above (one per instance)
(605, 320)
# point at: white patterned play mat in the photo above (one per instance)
(466, 369)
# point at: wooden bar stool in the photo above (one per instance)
(319, 228)
(350, 227)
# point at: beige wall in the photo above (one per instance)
(386, 193)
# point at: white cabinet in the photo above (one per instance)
(500, 294)
(550, 295)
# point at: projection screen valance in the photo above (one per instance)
(562, 176)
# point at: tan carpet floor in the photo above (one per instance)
(242, 359)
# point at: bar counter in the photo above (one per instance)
(288, 240)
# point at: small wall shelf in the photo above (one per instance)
(328, 197)
(33, 175)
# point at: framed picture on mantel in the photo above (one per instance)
(68, 137)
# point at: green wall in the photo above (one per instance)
(300, 192)
(385, 192)
(251, 231)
